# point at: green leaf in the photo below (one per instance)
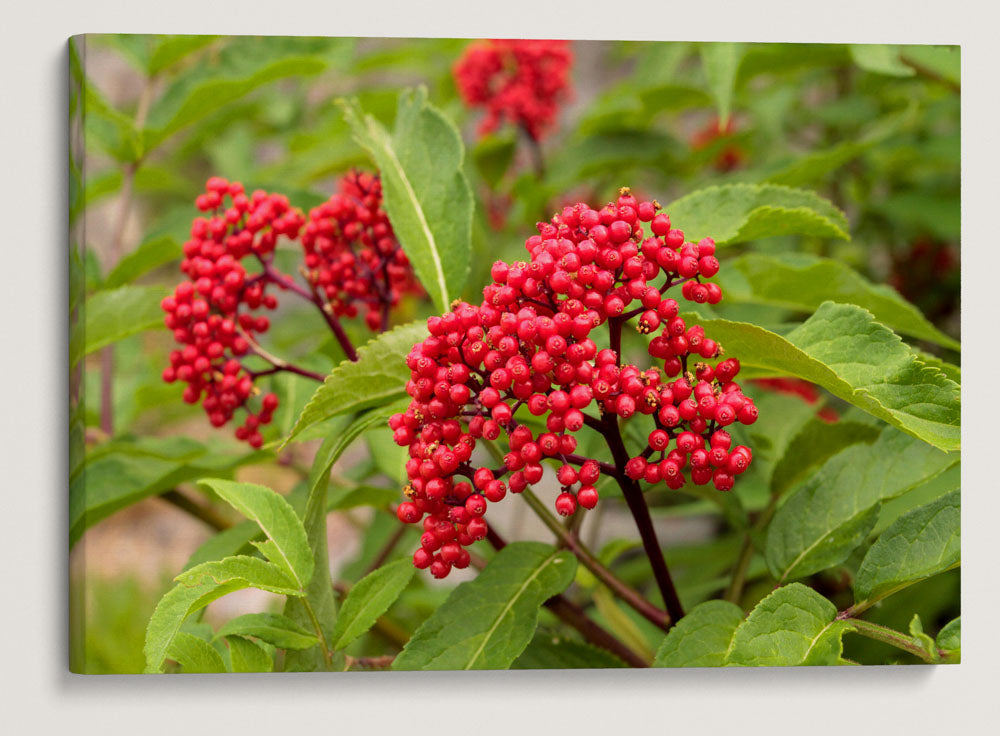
(803, 282)
(794, 625)
(921, 543)
(816, 443)
(378, 377)
(246, 571)
(244, 65)
(487, 622)
(736, 213)
(228, 542)
(943, 62)
(721, 62)
(194, 654)
(880, 59)
(833, 512)
(369, 599)
(153, 253)
(951, 371)
(844, 350)
(174, 607)
(287, 545)
(275, 629)
(171, 49)
(702, 637)
(110, 316)
(550, 652)
(950, 637)
(248, 656)
(427, 197)
(365, 495)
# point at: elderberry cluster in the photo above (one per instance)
(352, 254)
(529, 344)
(211, 313)
(522, 81)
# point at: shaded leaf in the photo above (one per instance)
(550, 652)
(844, 350)
(487, 622)
(803, 282)
(816, 443)
(921, 543)
(833, 512)
(110, 316)
(950, 636)
(702, 637)
(721, 62)
(151, 254)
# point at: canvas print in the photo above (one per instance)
(422, 354)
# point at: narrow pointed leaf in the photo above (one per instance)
(487, 622)
(377, 378)
(803, 282)
(287, 545)
(369, 599)
(115, 314)
(721, 61)
(427, 197)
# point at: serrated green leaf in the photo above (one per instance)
(226, 543)
(702, 637)
(110, 316)
(803, 282)
(921, 543)
(880, 59)
(171, 611)
(950, 636)
(812, 446)
(487, 622)
(194, 654)
(736, 213)
(369, 599)
(377, 378)
(844, 350)
(550, 652)
(426, 195)
(721, 62)
(794, 625)
(248, 656)
(951, 371)
(249, 572)
(833, 512)
(275, 629)
(287, 545)
(151, 254)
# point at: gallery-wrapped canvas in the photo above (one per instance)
(422, 354)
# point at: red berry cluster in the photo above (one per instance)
(522, 81)
(211, 312)
(352, 254)
(529, 344)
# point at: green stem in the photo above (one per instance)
(327, 656)
(891, 637)
(632, 597)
